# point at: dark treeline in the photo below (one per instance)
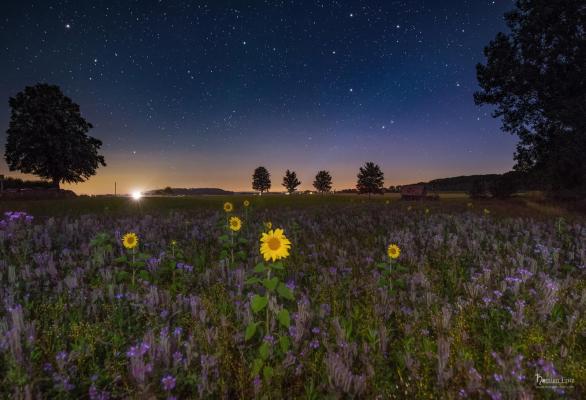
(16, 183)
(521, 182)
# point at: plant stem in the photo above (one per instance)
(133, 267)
(268, 303)
(232, 246)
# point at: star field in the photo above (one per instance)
(193, 93)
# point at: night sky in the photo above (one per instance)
(197, 94)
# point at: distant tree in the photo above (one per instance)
(323, 182)
(535, 77)
(290, 181)
(261, 180)
(370, 179)
(168, 190)
(47, 137)
(503, 187)
(477, 189)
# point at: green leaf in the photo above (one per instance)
(285, 292)
(223, 238)
(258, 303)
(242, 241)
(270, 284)
(263, 350)
(144, 275)
(277, 265)
(260, 267)
(120, 259)
(284, 319)
(284, 343)
(382, 265)
(250, 331)
(242, 255)
(256, 366)
(251, 280)
(267, 372)
(223, 255)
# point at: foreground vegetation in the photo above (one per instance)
(481, 298)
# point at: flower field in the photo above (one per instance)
(338, 299)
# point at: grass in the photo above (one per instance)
(475, 305)
(521, 206)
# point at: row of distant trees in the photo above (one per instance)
(370, 180)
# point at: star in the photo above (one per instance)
(67, 26)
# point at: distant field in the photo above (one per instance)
(527, 205)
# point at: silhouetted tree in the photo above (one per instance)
(261, 180)
(323, 182)
(370, 179)
(535, 77)
(477, 189)
(503, 187)
(290, 181)
(47, 137)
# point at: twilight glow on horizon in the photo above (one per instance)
(198, 94)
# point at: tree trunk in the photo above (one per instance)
(56, 183)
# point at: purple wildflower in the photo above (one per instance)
(168, 382)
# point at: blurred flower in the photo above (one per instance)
(228, 207)
(393, 251)
(168, 382)
(130, 240)
(268, 225)
(275, 245)
(235, 224)
(486, 211)
(246, 203)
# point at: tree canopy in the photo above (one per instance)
(47, 137)
(370, 179)
(290, 181)
(535, 76)
(261, 180)
(323, 182)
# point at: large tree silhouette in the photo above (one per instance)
(370, 179)
(261, 180)
(290, 181)
(47, 137)
(535, 77)
(323, 182)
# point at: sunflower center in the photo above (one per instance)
(274, 243)
(130, 240)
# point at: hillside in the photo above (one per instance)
(188, 191)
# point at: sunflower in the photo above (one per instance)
(235, 224)
(228, 207)
(393, 251)
(268, 225)
(130, 240)
(275, 245)
(246, 203)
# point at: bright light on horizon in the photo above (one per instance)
(136, 195)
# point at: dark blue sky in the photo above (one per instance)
(193, 93)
